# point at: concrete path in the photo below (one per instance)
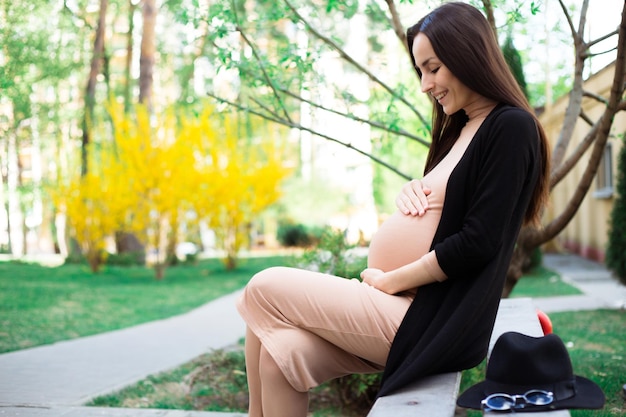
(600, 289)
(55, 380)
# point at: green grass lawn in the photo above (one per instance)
(41, 305)
(542, 282)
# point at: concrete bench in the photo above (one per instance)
(435, 396)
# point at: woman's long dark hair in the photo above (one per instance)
(463, 40)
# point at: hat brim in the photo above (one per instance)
(588, 396)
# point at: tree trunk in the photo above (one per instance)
(172, 240)
(23, 229)
(4, 198)
(90, 91)
(159, 271)
(128, 243)
(13, 206)
(524, 247)
(129, 56)
(146, 60)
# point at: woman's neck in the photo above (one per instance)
(478, 111)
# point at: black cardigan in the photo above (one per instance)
(448, 326)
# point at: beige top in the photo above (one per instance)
(402, 238)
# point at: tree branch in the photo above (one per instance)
(586, 118)
(351, 60)
(583, 19)
(266, 108)
(374, 124)
(595, 96)
(377, 125)
(298, 126)
(75, 15)
(490, 17)
(575, 96)
(569, 20)
(602, 38)
(562, 170)
(590, 55)
(397, 25)
(604, 126)
(267, 78)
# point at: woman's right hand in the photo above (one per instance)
(412, 199)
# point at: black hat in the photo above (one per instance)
(520, 363)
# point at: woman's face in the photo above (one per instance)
(438, 81)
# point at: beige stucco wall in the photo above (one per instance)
(587, 232)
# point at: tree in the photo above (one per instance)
(531, 236)
(616, 250)
(275, 90)
(31, 61)
(94, 203)
(239, 175)
(514, 60)
(125, 241)
(158, 169)
(155, 169)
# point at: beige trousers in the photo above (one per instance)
(318, 327)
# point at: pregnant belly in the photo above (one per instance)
(401, 240)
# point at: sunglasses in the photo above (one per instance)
(500, 402)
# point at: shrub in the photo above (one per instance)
(293, 235)
(220, 383)
(75, 258)
(357, 391)
(616, 248)
(126, 259)
(298, 235)
(333, 255)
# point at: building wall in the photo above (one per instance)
(587, 232)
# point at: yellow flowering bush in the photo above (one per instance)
(155, 170)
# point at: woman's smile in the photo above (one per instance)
(439, 96)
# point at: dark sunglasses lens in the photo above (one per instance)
(538, 397)
(500, 402)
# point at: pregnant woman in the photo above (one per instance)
(428, 299)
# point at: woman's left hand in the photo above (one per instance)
(373, 277)
(413, 198)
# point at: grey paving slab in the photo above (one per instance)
(568, 303)
(600, 288)
(576, 267)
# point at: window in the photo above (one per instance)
(604, 177)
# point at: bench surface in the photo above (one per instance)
(435, 396)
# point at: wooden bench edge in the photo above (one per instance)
(430, 396)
